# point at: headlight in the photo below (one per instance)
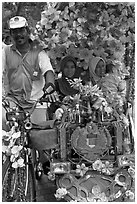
(60, 167)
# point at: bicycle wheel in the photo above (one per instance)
(18, 185)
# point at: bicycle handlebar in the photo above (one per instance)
(6, 105)
(42, 100)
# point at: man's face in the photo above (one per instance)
(20, 35)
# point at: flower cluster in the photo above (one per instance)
(60, 193)
(129, 195)
(9, 148)
(97, 195)
(81, 169)
(124, 120)
(104, 167)
(95, 94)
(75, 83)
(51, 176)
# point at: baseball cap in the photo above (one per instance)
(17, 22)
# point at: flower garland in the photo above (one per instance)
(9, 147)
(103, 167)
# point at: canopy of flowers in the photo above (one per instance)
(84, 29)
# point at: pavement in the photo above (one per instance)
(46, 190)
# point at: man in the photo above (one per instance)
(27, 71)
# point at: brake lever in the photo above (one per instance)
(43, 99)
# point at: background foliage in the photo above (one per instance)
(83, 29)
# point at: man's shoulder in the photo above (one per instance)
(39, 50)
(6, 47)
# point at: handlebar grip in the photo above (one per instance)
(43, 99)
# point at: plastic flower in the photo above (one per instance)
(15, 152)
(81, 169)
(6, 135)
(71, 4)
(75, 83)
(9, 139)
(84, 53)
(97, 195)
(16, 149)
(12, 142)
(72, 50)
(107, 168)
(59, 113)
(64, 34)
(129, 194)
(124, 120)
(13, 157)
(18, 163)
(16, 135)
(51, 176)
(11, 134)
(98, 103)
(84, 64)
(131, 171)
(60, 193)
(103, 197)
(96, 190)
(100, 198)
(111, 198)
(108, 109)
(97, 165)
(6, 150)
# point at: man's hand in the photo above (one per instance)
(53, 97)
(50, 93)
